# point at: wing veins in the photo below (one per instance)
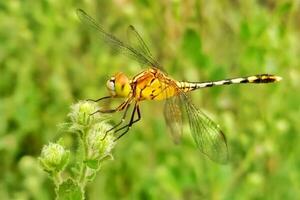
(207, 135)
(113, 40)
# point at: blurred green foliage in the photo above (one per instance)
(49, 60)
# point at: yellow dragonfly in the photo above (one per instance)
(154, 84)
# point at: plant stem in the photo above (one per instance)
(83, 171)
(57, 181)
(56, 178)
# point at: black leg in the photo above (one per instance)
(118, 124)
(134, 121)
(131, 122)
(119, 108)
(107, 97)
(122, 120)
(104, 111)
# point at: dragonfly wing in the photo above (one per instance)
(113, 41)
(208, 137)
(137, 42)
(173, 117)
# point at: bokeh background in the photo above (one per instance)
(49, 60)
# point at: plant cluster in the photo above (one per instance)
(71, 175)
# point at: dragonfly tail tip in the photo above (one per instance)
(277, 78)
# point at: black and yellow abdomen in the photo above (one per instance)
(261, 78)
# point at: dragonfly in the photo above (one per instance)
(153, 83)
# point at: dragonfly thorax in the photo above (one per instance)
(119, 85)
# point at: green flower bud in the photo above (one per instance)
(100, 142)
(81, 115)
(81, 112)
(54, 157)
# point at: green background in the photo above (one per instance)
(49, 60)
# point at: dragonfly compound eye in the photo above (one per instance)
(110, 84)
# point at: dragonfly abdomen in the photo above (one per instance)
(260, 78)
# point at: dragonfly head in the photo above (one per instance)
(118, 85)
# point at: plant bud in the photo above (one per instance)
(54, 157)
(100, 142)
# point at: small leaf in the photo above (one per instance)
(93, 164)
(107, 157)
(69, 190)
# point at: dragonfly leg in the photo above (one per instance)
(122, 120)
(121, 107)
(97, 100)
(131, 122)
(118, 124)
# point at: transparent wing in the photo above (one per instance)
(173, 117)
(208, 137)
(116, 43)
(137, 42)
